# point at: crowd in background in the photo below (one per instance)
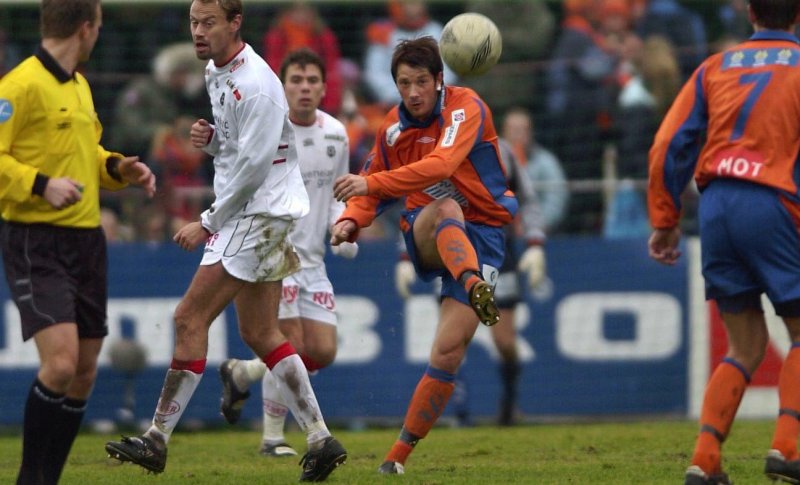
(579, 91)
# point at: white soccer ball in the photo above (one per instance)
(470, 44)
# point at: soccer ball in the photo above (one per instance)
(470, 44)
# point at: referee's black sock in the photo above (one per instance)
(42, 410)
(70, 415)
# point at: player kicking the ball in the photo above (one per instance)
(438, 148)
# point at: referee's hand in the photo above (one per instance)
(62, 192)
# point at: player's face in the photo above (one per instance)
(214, 37)
(89, 36)
(417, 88)
(304, 91)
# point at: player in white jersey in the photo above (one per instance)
(258, 195)
(307, 311)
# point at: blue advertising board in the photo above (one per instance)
(607, 338)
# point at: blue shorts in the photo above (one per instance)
(488, 241)
(750, 245)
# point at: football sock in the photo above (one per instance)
(42, 409)
(456, 251)
(788, 426)
(289, 371)
(68, 422)
(311, 364)
(275, 409)
(180, 383)
(509, 373)
(247, 372)
(427, 404)
(720, 403)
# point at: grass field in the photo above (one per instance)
(642, 452)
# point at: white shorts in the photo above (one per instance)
(308, 294)
(254, 249)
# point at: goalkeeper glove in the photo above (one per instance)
(404, 277)
(533, 263)
(347, 250)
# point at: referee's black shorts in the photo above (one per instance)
(57, 275)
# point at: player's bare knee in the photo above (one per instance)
(448, 209)
(83, 382)
(58, 372)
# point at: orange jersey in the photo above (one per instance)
(452, 154)
(745, 102)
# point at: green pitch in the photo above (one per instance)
(652, 452)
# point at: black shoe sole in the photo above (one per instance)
(233, 411)
(339, 460)
(123, 455)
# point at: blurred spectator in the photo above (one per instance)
(299, 25)
(646, 94)
(528, 29)
(359, 114)
(9, 54)
(183, 170)
(150, 103)
(409, 19)
(681, 25)
(581, 88)
(113, 229)
(542, 166)
(734, 19)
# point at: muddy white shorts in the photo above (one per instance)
(254, 249)
(308, 294)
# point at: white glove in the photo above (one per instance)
(404, 277)
(347, 250)
(533, 262)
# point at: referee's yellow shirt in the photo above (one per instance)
(48, 126)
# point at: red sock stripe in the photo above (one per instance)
(281, 352)
(311, 364)
(196, 366)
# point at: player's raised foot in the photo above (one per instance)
(141, 450)
(232, 398)
(391, 468)
(696, 476)
(481, 299)
(318, 464)
(277, 450)
(777, 467)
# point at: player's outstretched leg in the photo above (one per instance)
(318, 464)
(232, 397)
(144, 451)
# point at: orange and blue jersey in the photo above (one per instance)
(737, 117)
(454, 153)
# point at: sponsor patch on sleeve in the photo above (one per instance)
(6, 110)
(457, 116)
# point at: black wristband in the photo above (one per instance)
(39, 184)
(112, 167)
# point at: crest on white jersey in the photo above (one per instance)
(392, 134)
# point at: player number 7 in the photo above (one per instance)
(759, 81)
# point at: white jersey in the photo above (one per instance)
(323, 151)
(253, 144)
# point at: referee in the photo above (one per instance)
(54, 251)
